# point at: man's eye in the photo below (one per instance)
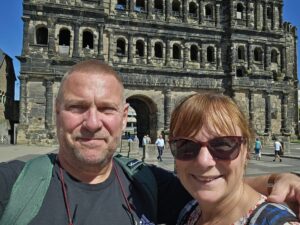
(108, 110)
(76, 108)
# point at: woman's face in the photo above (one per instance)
(212, 180)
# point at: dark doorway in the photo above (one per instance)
(145, 116)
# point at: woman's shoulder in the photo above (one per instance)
(268, 213)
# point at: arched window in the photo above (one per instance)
(140, 6)
(194, 53)
(139, 46)
(241, 53)
(176, 7)
(158, 50)
(239, 72)
(239, 11)
(158, 6)
(210, 54)
(41, 36)
(274, 56)
(176, 51)
(120, 47)
(258, 54)
(193, 9)
(121, 5)
(64, 37)
(209, 11)
(87, 40)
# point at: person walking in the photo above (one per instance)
(257, 149)
(277, 148)
(160, 144)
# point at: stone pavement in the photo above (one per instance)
(291, 158)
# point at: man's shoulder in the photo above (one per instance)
(11, 168)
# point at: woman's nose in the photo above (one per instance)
(205, 158)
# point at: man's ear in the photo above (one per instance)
(56, 107)
(125, 116)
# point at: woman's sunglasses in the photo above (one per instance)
(224, 148)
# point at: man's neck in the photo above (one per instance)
(90, 174)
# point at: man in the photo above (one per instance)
(160, 143)
(277, 149)
(87, 186)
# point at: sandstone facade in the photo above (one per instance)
(164, 50)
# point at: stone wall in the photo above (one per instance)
(242, 49)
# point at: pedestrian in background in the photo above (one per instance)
(278, 148)
(160, 143)
(257, 149)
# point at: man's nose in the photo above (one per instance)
(92, 120)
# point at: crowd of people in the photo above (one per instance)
(85, 183)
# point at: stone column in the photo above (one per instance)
(51, 36)
(100, 42)
(110, 46)
(273, 17)
(284, 128)
(265, 22)
(283, 60)
(130, 44)
(257, 16)
(219, 57)
(217, 15)
(203, 56)
(150, 8)
(23, 99)
(280, 22)
(200, 12)
(268, 112)
(167, 107)
(76, 40)
(149, 51)
(185, 11)
(168, 9)
(185, 55)
(267, 57)
(251, 109)
(249, 55)
(25, 49)
(168, 49)
(49, 104)
(131, 8)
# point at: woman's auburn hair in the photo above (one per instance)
(214, 111)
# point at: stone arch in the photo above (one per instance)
(87, 39)
(274, 56)
(258, 54)
(241, 53)
(209, 11)
(140, 48)
(193, 9)
(64, 37)
(240, 11)
(176, 51)
(158, 49)
(146, 115)
(210, 57)
(121, 47)
(41, 35)
(194, 53)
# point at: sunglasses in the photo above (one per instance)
(224, 148)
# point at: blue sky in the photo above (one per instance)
(11, 28)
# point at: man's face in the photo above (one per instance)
(90, 118)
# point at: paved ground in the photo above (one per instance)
(290, 163)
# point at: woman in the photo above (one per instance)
(209, 138)
(257, 149)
